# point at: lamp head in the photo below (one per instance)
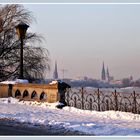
(21, 29)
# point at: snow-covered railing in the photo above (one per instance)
(102, 101)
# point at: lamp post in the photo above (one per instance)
(21, 32)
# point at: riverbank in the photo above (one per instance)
(11, 127)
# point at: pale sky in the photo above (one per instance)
(81, 37)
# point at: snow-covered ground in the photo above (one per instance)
(90, 122)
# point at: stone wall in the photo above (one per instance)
(37, 92)
(4, 90)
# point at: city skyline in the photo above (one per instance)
(81, 37)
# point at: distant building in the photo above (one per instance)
(107, 75)
(103, 76)
(131, 78)
(111, 78)
(117, 82)
(55, 74)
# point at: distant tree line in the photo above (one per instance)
(126, 82)
(89, 83)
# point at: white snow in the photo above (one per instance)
(15, 81)
(8, 82)
(91, 122)
(25, 81)
(53, 82)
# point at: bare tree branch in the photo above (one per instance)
(36, 58)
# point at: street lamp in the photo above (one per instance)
(21, 32)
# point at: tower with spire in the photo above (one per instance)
(103, 76)
(107, 75)
(55, 74)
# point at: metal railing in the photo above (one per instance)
(103, 101)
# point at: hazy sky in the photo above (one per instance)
(81, 37)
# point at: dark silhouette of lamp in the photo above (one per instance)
(21, 32)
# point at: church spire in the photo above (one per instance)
(103, 73)
(107, 74)
(55, 74)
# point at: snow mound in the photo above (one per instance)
(90, 122)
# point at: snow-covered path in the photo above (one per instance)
(91, 122)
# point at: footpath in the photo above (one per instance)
(13, 128)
